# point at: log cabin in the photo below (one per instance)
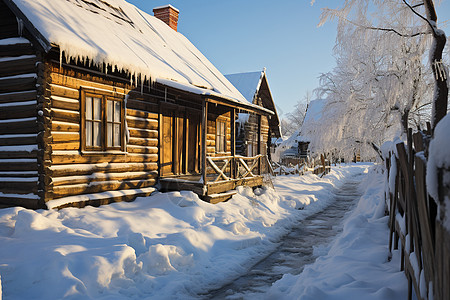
(102, 102)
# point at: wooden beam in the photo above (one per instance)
(233, 141)
(204, 132)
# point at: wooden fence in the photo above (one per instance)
(424, 243)
(320, 167)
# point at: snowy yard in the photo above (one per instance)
(175, 246)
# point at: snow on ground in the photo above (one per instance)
(355, 265)
(175, 246)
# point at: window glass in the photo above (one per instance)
(117, 111)
(97, 108)
(88, 108)
(109, 113)
(89, 134)
(116, 135)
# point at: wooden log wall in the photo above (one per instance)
(72, 172)
(249, 132)
(213, 116)
(21, 78)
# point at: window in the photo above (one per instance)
(102, 122)
(221, 136)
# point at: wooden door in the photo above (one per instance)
(167, 165)
(193, 142)
(180, 153)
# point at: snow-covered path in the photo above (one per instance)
(298, 248)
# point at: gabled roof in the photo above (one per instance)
(118, 33)
(247, 83)
(253, 85)
(313, 117)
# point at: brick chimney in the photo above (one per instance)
(168, 14)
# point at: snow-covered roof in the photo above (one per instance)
(118, 33)
(247, 83)
(250, 84)
(314, 111)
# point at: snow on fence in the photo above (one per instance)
(416, 220)
(320, 167)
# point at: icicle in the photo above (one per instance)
(60, 59)
(127, 132)
(19, 26)
(142, 85)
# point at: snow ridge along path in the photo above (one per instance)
(299, 247)
(166, 246)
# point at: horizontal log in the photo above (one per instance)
(95, 177)
(142, 123)
(65, 115)
(87, 169)
(27, 125)
(18, 112)
(17, 154)
(142, 133)
(18, 187)
(18, 165)
(134, 94)
(211, 137)
(65, 146)
(21, 201)
(18, 49)
(22, 174)
(66, 157)
(75, 83)
(151, 142)
(168, 184)
(64, 137)
(16, 84)
(65, 103)
(18, 140)
(62, 91)
(142, 105)
(141, 114)
(142, 149)
(65, 126)
(16, 66)
(18, 96)
(102, 186)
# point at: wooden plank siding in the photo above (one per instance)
(74, 172)
(20, 158)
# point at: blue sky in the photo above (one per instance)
(247, 35)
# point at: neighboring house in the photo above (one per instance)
(297, 146)
(255, 88)
(100, 102)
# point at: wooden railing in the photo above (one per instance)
(225, 168)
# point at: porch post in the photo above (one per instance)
(204, 132)
(233, 143)
(259, 144)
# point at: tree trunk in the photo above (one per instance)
(440, 99)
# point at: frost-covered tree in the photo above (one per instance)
(293, 120)
(381, 81)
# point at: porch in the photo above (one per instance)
(221, 177)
